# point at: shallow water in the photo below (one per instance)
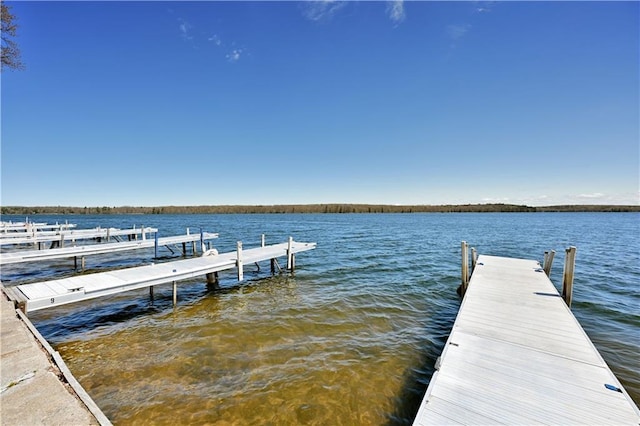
(350, 338)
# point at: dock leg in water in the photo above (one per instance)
(274, 265)
(548, 261)
(212, 281)
(175, 293)
(567, 276)
(75, 262)
(82, 262)
(239, 264)
(474, 258)
(290, 255)
(465, 270)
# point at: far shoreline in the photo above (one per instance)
(316, 208)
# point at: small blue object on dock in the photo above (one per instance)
(612, 387)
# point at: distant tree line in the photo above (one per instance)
(315, 208)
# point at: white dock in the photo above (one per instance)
(41, 295)
(22, 256)
(517, 355)
(22, 227)
(71, 235)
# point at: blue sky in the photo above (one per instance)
(169, 103)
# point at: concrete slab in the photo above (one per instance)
(34, 390)
(42, 400)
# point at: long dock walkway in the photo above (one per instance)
(517, 355)
(72, 235)
(37, 387)
(16, 227)
(46, 294)
(21, 256)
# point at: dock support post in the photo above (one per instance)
(262, 241)
(203, 248)
(175, 293)
(155, 246)
(290, 255)
(75, 262)
(82, 262)
(567, 275)
(465, 268)
(474, 258)
(144, 234)
(239, 262)
(193, 247)
(151, 293)
(184, 248)
(545, 261)
(274, 265)
(464, 281)
(108, 235)
(212, 280)
(548, 261)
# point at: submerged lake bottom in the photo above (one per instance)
(351, 337)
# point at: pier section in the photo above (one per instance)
(47, 294)
(517, 355)
(23, 256)
(59, 237)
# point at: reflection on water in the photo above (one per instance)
(351, 338)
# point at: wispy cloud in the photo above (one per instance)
(234, 55)
(185, 29)
(592, 196)
(483, 6)
(196, 38)
(629, 198)
(491, 200)
(395, 9)
(320, 10)
(215, 40)
(456, 32)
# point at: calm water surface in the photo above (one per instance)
(351, 338)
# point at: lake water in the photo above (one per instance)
(350, 338)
